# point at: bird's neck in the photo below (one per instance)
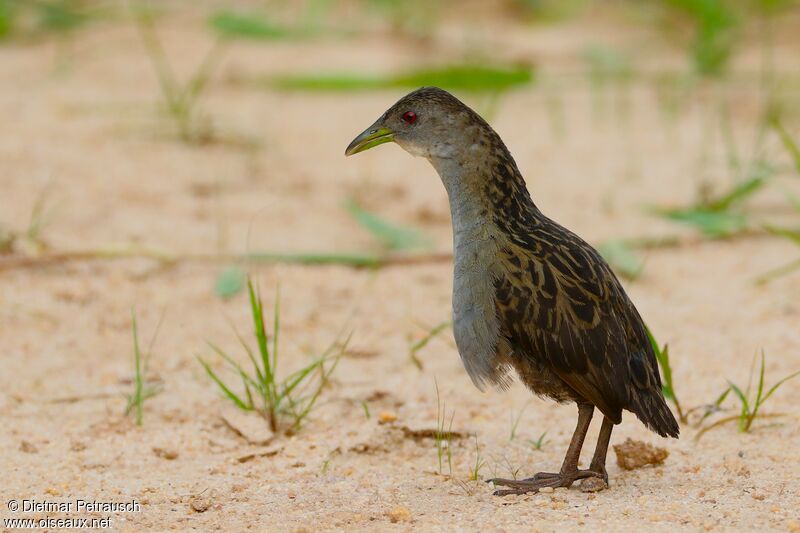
(485, 191)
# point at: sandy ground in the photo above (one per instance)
(88, 129)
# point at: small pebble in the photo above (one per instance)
(164, 453)
(545, 490)
(28, 447)
(386, 417)
(399, 514)
(593, 484)
(200, 502)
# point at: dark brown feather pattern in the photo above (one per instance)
(528, 294)
(562, 308)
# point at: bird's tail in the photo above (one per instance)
(651, 408)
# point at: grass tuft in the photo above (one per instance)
(142, 391)
(539, 443)
(181, 100)
(284, 404)
(719, 217)
(750, 402)
(480, 462)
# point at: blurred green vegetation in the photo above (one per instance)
(6, 18)
(457, 77)
(715, 30)
(233, 24)
(414, 18)
(550, 11)
(32, 18)
(708, 33)
(391, 236)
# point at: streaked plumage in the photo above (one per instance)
(528, 294)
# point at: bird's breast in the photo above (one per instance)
(475, 323)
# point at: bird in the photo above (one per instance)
(529, 296)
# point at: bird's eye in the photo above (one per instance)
(409, 117)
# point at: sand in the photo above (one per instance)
(86, 129)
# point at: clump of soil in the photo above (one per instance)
(633, 454)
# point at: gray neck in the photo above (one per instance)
(467, 209)
(475, 250)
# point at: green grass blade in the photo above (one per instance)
(261, 340)
(315, 396)
(717, 403)
(202, 75)
(760, 389)
(7, 18)
(775, 273)
(392, 236)
(458, 77)
(298, 377)
(227, 391)
(788, 142)
(248, 26)
(778, 384)
(742, 398)
(791, 234)
(714, 224)
(745, 411)
(662, 356)
(738, 194)
(354, 259)
(669, 392)
(276, 326)
(420, 344)
(466, 77)
(250, 355)
(236, 367)
(138, 400)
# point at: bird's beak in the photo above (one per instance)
(372, 136)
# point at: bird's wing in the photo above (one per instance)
(560, 303)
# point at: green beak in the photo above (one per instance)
(372, 136)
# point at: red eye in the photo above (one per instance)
(409, 117)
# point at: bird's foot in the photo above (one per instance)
(544, 479)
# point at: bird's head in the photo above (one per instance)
(428, 122)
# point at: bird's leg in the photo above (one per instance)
(569, 469)
(599, 459)
(593, 484)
